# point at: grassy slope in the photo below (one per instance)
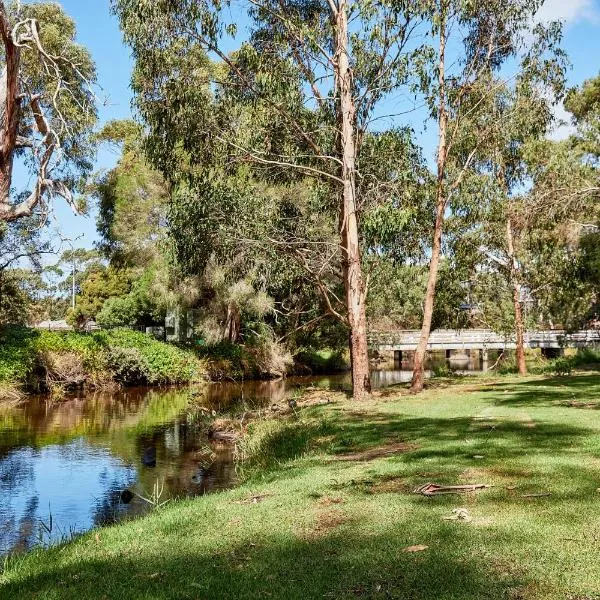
(337, 528)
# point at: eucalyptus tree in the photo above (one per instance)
(521, 115)
(562, 215)
(47, 107)
(132, 200)
(584, 105)
(476, 43)
(312, 74)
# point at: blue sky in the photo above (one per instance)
(99, 31)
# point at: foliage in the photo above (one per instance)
(51, 105)
(138, 307)
(98, 286)
(263, 358)
(132, 201)
(322, 360)
(584, 359)
(126, 356)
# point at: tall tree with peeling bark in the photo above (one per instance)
(315, 79)
(47, 107)
(477, 39)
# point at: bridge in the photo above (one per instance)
(552, 342)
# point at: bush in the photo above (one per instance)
(126, 365)
(64, 369)
(160, 363)
(73, 359)
(322, 361)
(562, 366)
(585, 357)
(443, 371)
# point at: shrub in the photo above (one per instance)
(227, 361)
(322, 361)
(10, 393)
(562, 366)
(443, 371)
(159, 362)
(126, 365)
(271, 358)
(65, 369)
(72, 358)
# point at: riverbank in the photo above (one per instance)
(46, 361)
(34, 361)
(328, 509)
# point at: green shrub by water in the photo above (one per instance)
(322, 361)
(564, 365)
(123, 356)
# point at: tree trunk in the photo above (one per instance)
(351, 258)
(516, 290)
(434, 263)
(231, 331)
(9, 105)
(436, 247)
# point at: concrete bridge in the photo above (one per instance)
(552, 342)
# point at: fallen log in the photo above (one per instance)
(223, 436)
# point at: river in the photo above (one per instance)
(93, 459)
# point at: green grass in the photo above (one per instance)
(334, 528)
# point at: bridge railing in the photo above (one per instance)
(485, 338)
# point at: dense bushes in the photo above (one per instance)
(564, 365)
(259, 360)
(322, 361)
(32, 359)
(585, 357)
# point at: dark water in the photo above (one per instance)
(64, 465)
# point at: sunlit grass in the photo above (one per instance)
(309, 523)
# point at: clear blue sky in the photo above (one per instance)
(99, 31)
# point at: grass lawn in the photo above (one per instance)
(329, 508)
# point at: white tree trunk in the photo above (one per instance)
(352, 269)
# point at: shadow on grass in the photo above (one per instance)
(339, 564)
(446, 445)
(547, 392)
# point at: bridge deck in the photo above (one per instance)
(481, 339)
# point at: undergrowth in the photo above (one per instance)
(38, 360)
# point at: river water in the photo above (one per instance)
(68, 466)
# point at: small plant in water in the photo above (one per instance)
(155, 497)
(45, 530)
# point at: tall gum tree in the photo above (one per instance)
(47, 107)
(343, 56)
(478, 39)
(523, 114)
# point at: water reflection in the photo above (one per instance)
(64, 466)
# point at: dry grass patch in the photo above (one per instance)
(326, 521)
(329, 500)
(384, 451)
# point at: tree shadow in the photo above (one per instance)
(336, 564)
(547, 392)
(417, 445)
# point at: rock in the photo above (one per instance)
(149, 457)
(126, 496)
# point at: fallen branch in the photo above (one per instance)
(544, 495)
(433, 489)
